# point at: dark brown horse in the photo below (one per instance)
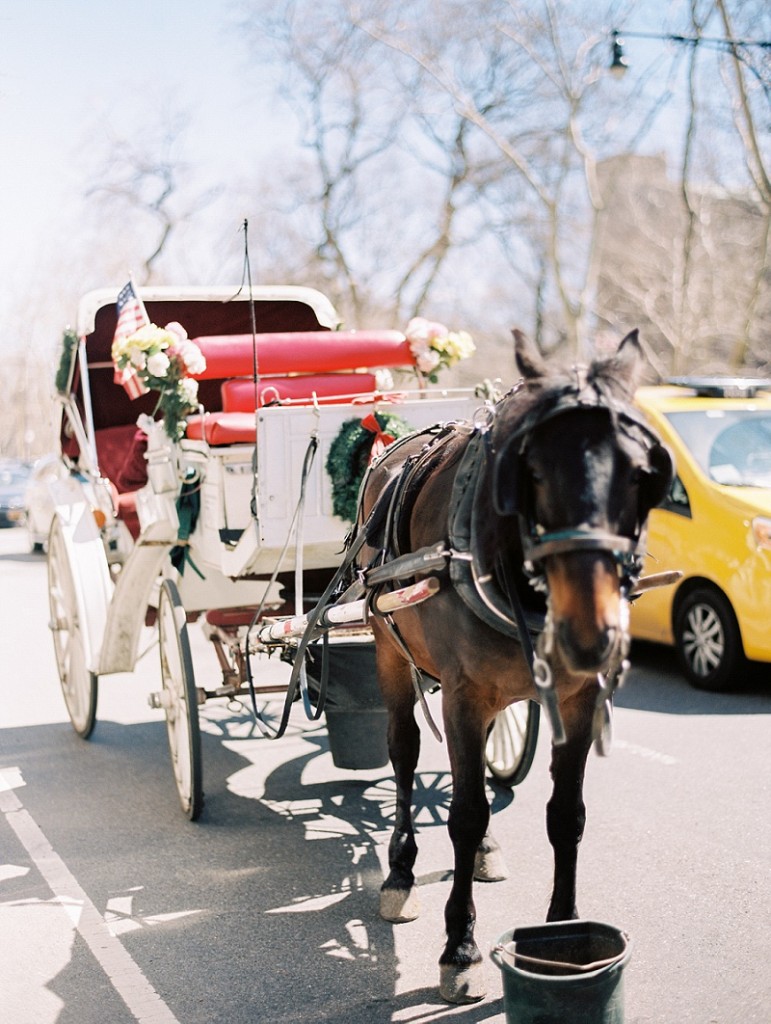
(552, 487)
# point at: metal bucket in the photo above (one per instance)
(357, 721)
(563, 971)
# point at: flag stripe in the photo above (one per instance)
(131, 316)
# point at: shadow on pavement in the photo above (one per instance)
(656, 684)
(265, 909)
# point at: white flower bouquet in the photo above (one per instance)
(163, 359)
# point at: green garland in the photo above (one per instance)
(64, 371)
(349, 456)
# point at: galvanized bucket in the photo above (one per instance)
(563, 971)
(357, 721)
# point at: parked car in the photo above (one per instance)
(38, 503)
(13, 481)
(715, 526)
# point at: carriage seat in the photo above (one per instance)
(300, 366)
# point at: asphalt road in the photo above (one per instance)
(115, 909)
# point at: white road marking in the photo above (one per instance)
(125, 975)
(646, 752)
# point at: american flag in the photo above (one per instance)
(131, 316)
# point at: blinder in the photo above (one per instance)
(512, 486)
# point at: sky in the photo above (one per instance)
(75, 73)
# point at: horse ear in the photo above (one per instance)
(628, 363)
(528, 358)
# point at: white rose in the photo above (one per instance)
(158, 364)
(192, 357)
(137, 357)
(188, 390)
(427, 361)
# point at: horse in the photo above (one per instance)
(548, 491)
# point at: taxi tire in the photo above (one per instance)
(705, 612)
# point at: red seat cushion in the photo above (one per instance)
(220, 428)
(232, 355)
(229, 618)
(239, 395)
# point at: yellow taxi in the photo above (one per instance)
(715, 526)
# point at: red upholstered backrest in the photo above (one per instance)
(239, 395)
(232, 355)
(120, 451)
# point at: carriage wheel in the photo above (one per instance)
(512, 741)
(180, 700)
(79, 685)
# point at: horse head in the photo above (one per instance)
(580, 470)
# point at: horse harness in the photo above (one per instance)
(483, 589)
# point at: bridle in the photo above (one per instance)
(513, 495)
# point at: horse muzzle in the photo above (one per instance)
(588, 613)
(587, 658)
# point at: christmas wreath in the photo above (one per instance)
(358, 441)
(68, 354)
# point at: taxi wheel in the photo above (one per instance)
(707, 639)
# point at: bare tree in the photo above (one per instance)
(143, 183)
(744, 79)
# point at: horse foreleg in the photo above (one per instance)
(489, 863)
(566, 811)
(398, 894)
(461, 975)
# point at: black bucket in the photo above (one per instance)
(357, 721)
(563, 971)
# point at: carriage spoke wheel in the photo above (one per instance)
(512, 741)
(79, 685)
(179, 700)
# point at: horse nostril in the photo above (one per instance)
(584, 657)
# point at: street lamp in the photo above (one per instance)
(619, 63)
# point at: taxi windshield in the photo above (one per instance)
(732, 446)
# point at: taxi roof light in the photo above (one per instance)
(723, 387)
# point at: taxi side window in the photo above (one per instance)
(677, 500)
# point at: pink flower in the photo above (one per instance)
(422, 332)
(177, 329)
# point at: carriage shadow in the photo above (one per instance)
(275, 889)
(339, 823)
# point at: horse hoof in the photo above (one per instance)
(399, 905)
(462, 984)
(489, 866)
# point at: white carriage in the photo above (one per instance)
(231, 523)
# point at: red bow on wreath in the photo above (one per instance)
(381, 438)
